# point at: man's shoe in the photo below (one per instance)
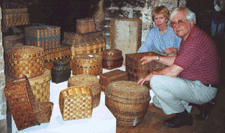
(178, 122)
(205, 110)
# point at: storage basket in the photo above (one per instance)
(115, 75)
(25, 60)
(20, 101)
(112, 58)
(87, 64)
(75, 103)
(90, 81)
(61, 70)
(43, 111)
(85, 25)
(136, 70)
(40, 86)
(44, 36)
(127, 101)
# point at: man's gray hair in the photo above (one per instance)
(189, 14)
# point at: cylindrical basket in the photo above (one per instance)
(61, 70)
(85, 25)
(87, 64)
(90, 81)
(112, 58)
(127, 101)
(25, 61)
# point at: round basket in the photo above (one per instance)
(112, 58)
(25, 61)
(90, 81)
(61, 70)
(87, 64)
(127, 101)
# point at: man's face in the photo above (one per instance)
(181, 26)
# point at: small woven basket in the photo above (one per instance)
(75, 103)
(112, 58)
(90, 81)
(85, 25)
(127, 101)
(87, 64)
(25, 61)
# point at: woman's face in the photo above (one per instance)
(160, 20)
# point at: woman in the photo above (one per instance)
(161, 39)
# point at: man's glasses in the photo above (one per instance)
(179, 22)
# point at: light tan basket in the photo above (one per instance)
(90, 81)
(25, 61)
(75, 103)
(87, 64)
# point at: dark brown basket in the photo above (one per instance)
(115, 75)
(43, 111)
(136, 70)
(90, 81)
(127, 101)
(61, 70)
(112, 58)
(85, 25)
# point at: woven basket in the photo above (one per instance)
(112, 58)
(61, 70)
(115, 75)
(43, 111)
(85, 25)
(19, 96)
(87, 64)
(136, 70)
(44, 36)
(40, 86)
(75, 103)
(127, 101)
(25, 61)
(90, 81)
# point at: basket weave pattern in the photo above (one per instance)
(43, 111)
(25, 60)
(112, 58)
(87, 64)
(75, 103)
(85, 25)
(90, 81)
(127, 101)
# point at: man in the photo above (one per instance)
(198, 66)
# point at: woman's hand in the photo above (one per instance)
(141, 81)
(170, 50)
(147, 59)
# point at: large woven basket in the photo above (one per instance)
(20, 101)
(25, 61)
(115, 75)
(75, 103)
(87, 64)
(90, 81)
(136, 70)
(112, 58)
(61, 70)
(127, 101)
(40, 86)
(85, 25)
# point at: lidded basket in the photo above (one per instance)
(25, 61)
(90, 81)
(112, 58)
(127, 101)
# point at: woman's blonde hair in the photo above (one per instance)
(160, 10)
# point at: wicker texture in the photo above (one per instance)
(40, 86)
(61, 70)
(112, 58)
(75, 103)
(127, 101)
(87, 64)
(136, 70)
(90, 81)
(43, 111)
(25, 60)
(115, 75)
(85, 25)
(44, 36)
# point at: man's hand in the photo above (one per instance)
(147, 59)
(141, 81)
(170, 50)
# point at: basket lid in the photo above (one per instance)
(61, 62)
(127, 92)
(85, 20)
(84, 80)
(112, 52)
(25, 52)
(45, 77)
(87, 56)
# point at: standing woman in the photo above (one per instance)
(161, 39)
